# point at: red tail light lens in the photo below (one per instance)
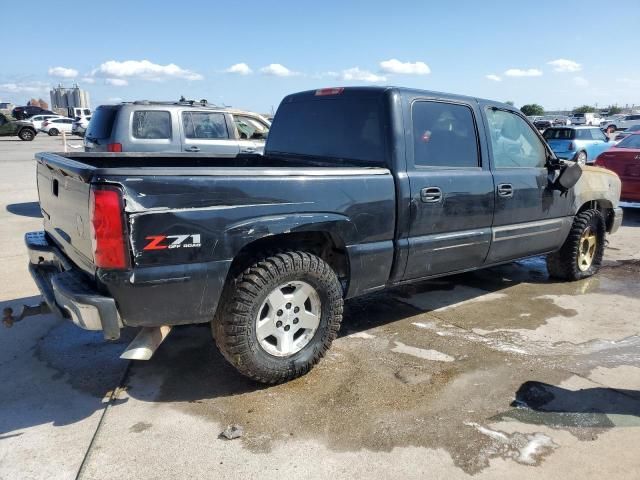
(329, 91)
(108, 236)
(114, 147)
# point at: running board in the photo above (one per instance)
(146, 343)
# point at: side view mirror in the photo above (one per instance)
(566, 178)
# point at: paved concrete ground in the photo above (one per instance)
(497, 374)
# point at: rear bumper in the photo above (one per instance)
(617, 220)
(69, 292)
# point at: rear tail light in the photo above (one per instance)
(329, 91)
(114, 147)
(571, 146)
(108, 235)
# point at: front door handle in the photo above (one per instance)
(192, 149)
(431, 195)
(505, 190)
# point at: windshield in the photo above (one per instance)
(102, 122)
(337, 127)
(632, 141)
(559, 134)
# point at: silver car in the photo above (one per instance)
(145, 126)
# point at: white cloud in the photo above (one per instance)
(493, 77)
(143, 69)
(564, 65)
(355, 74)
(116, 82)
(240, 69)
(114, 99)
(278, 70)
(34, 87)
(405, 68)
(63, 72)
(517, 72)
(89, 80)
(581, 81)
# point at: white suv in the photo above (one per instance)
(621, 123)
(54, 126)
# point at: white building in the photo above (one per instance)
(62, 97)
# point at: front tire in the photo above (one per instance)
(581, 158)
(53, 132)
(26, 135)
(581, 254)
(278, 318)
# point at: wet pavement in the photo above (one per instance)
(497, 373)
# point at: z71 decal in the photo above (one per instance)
(160, 242)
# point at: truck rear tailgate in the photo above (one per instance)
(64, 201)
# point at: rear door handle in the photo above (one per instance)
(192, 149)
(248, 150)
(505, 190)
(431, 195)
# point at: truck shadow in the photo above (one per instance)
(25, 209)
(631, 217)
(543, 404)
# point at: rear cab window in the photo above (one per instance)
(444, 135)
(341, 128)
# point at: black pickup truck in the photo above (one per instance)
(359, 189)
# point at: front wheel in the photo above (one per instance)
(581, 158)
(581, 254)
(279, 317)
(26, 134)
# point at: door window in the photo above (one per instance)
(584, 134)
(597, 134)
(204, 126)
(444, 135)
(513, 142)
(151, 125)
(250, 128)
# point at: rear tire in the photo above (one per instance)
(26, 134)
(261, 298)
(53, 132)
(581, 254)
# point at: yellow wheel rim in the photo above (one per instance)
(586, 249)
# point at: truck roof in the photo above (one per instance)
(401, 90)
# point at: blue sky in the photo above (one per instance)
(160, 50)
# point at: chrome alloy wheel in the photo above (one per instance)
(288, 318)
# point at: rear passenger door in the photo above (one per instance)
(208, 132)
(529, 217)
(451, 189)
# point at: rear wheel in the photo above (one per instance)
(53, 132)
(278, 317)
(26, 134)
(581, 254)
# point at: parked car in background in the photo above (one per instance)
(22, 113)
(56, 125)
(79, 125)
(38, 120)
(621, 123)
(585, 119)
(145, 126)
(632, 129)
(580, 144)
(624, 159)
(561, 121)
(16, 128)
(543, 123)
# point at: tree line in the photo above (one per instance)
(533, 109)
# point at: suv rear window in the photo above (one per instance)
(102, 122)
(341, 127)
(559, 134)
(151, 125)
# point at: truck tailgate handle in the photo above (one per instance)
(431, 195)
(505, 190)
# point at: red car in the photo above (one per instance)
(624, 159)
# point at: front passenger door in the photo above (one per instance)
(529, 218)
